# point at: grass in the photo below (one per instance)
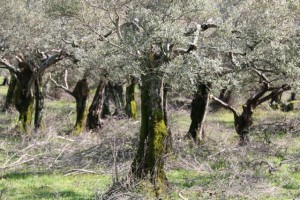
(225, 117)
(52, 186)
(185, 179)
(216, 169)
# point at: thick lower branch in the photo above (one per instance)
(225, 105)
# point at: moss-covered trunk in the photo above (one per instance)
(130, 108)
(24, 97)
(39, 103)
(198, 111)
(10, 97)
(81, 93)
(149, 159)
(95, 110)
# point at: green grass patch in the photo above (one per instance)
(287, 181)
(273, 115)
(190, 184)
(181, 120)
(187, 178)
(296, 176)
(223, 117)
(58, 104)
(52, 186)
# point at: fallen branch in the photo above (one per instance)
(269, 165)
(17, 163)
(181, 196)
(61, 137)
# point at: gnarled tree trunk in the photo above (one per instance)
(81, 94)
(117, 94)
(106, 109)
(26, 73)
(95, 110)
(198, 112)
(24, 97)
(242, 124)
(243, 121)
(39, 102)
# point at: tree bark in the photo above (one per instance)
(10, 97)
(81, 93)
(39, 102)
(117, 95)
(242, 124)
(24, 97)
(169, 146)
(150, 156)
(95, 110)
(106, 110)
(198, 112)
(130, 108)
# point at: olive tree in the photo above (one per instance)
(148, 37)
(29, 39)
(263, 37)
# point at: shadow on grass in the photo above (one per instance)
(43, 185)
(47, 193)
(21, 175)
